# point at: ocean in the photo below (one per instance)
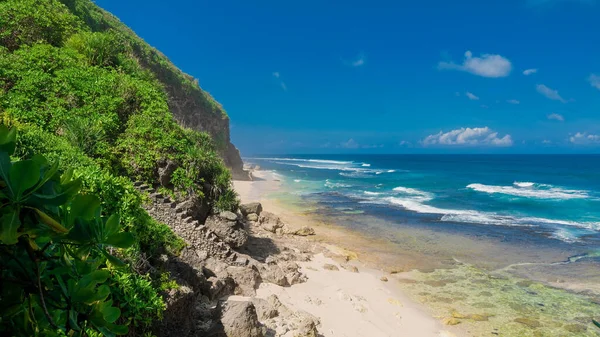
(544, 199)
(513, 237)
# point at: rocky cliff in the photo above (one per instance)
(191, 106)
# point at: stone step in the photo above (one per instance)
(137, 183)
(143, 187)
(156, 195)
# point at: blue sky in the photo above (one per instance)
(389, 76)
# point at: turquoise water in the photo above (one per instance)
(510, 239)
(531, 198)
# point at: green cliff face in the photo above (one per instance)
(83, 90)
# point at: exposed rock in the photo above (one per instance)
(384, 279)
(253, 207)
(331, 267)
(165, 172)
(305, 231)
(267, 308)
(252, 217)
(306, 325)
(231, 232)
(451, 321)
(229, 216)
(270, 222)
(239, 319)
(350, 268)
(247, 279)
(219, 287)
(178, 318)
(194, 207)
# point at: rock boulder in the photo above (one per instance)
(239, 319)
(232, 232)
(253, 207)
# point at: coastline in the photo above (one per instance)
(459, 298)
(348, 294)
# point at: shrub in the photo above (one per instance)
(53, 241)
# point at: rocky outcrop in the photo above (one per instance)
(251, 208)
(228, 228)
(282, 321)
(239, 319)
(209, 271)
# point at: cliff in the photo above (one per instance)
(191, 106)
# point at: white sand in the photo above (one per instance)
(347, 303)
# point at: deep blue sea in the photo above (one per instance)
(555, 198)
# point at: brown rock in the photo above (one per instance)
(305, 231)
(331, 267)
(253, 207)
(239, 319)
(384, 279)
(451, 321)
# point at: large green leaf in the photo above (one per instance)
(85, 207)
(111, 226)
(23, 175)
(5, 166)
(9, 231)
(8, 139)
(46, 219)
(121, 240)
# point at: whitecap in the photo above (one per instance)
(371, 193)
(323, 161)
(525, 184)
(417, 194)
(330, 184)
(529, 192)
(297, 180)
(366, 165)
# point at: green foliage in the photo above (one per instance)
(53, 242)
(139, 301)
(83, 90)
(24, 22)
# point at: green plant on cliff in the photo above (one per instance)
(84, 91)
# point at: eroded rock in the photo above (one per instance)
(231, 232)
(251, 208)
(239, 319)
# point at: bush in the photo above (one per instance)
(53, 241)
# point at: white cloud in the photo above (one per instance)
(584, 139)
(471, 96)
(358, 61)
(594, 81)
(277, 75)
(487, 65)
(350, 144)
(468, 137)
(528, 72)
(514, 101)
(549, 93)
(556, 117)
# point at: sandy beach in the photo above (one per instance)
(347, 295)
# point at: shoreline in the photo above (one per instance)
(462, 299)
(353, 297)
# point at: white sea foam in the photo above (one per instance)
(323, 161)
(415, 204)
(566, 236)
(531, 191)
(415, 193)
(366, 165)
(297, 180)
(391, 171)
(525, 184)
(371, 193)
(330, 184)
